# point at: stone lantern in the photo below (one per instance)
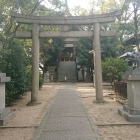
(5, 113)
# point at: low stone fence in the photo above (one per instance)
(120, 88)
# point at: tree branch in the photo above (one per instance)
(36, 5)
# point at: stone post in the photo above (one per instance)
(35, 65)
(5, 113)
(131, 110)
(97, 64)
(3, 80)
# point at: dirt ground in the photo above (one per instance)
(27, 118)
(111, 124)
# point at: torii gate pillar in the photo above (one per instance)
(35, 65)
(97, 64)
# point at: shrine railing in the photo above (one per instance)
(120, 88)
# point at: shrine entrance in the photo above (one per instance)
(35, 34)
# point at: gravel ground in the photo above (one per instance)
(111, 124)
(27, 118)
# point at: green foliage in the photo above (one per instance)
(50, 52)
(84, 58)
(111, 74)
(14, 62)
(105, 6)
(113, 68)
(15, 55)
(57, 4)
(108, 47)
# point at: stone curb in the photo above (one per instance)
(117, 124)
(38, 131)
(92, 122)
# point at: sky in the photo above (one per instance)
(72, 3)
(81, 3)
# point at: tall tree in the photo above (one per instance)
(15, 54)
(136, 8)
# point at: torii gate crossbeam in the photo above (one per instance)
(77, 20)
(70, 34)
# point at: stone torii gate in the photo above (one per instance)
(35, 34)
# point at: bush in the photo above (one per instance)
(114, 68)
(14, 62)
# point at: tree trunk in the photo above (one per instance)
(136, 23)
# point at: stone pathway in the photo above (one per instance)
(67, 118)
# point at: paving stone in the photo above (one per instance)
(59, 105)
(75, 114)
(59, 108)
(66, 104)
(67, 123)
(68, 119)
(68, 135)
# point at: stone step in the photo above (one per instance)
(2, 74)
(68, 76)
(4, 112)
(129, 117)
(67, 69)
(68, 72)
(67, 80)
(7, 118)
(73, 72)
(125, 107)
